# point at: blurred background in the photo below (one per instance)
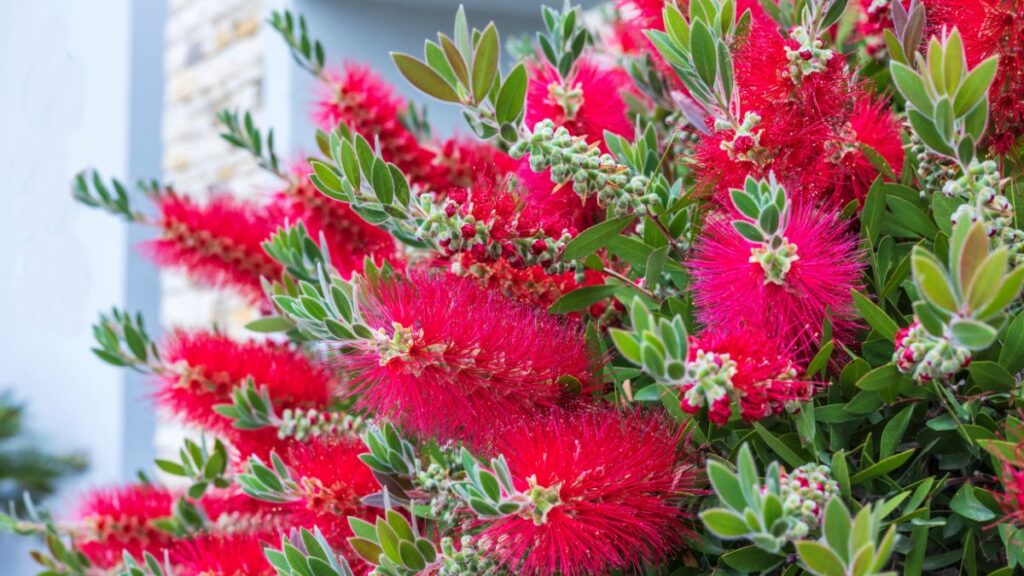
(131, 88)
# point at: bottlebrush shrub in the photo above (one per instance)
(735, 238)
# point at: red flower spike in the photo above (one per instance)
(223, 555)
(615, 476)
(453, 361)
(590, 103)
(872, 123)
(121, 519)
(763, 382)
(218, 243)
(333, 481)
(360, 98)
(208, 366)
(730, 291)
(990, 28)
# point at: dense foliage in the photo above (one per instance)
(717, 286)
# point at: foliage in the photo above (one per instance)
(877, 431)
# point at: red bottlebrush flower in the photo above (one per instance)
(223, 555)
(589, 103)
(463, 161)
(872, 123)
(875, 18)
(121, 519)
(800, 124)
(990, 28)
(530, 284)
(350, 239)
(360, 98)
(453, 360)
(613, 477)
(333, 481)
(743, 368)
(219, 243)
(730, 291)
(553, 208)
(206, 367)
(1012, 498)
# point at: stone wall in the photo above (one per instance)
(213, 61)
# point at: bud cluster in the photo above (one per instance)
(980, 186)
(570, 158)
(468, 560)
(809, 57)
(927, 357)
(804, 493)
(745, 139)
(708, 381)
(933, 170)
(302, 424)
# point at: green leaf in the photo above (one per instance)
(424, 78)
(875, 316)
(820, 360)
(1011, 356)
(581, 298)
(726, 485)
(751, 559)
(748, 231)
(702, 50)
(983, 285)
(893, 432)
(512, 95)
(883, 466)
(925, 128)
(627, 345)
(455, 60)
(594, 238)
(270, 324)
(880, 378)
(725, 524)
(991, 376)
(836, 526)
(966, 504)
(911, 86)
(485, 63)
(972, 334)
(932, 280)
(819, 559)
(779, 447)
(1008, 291)
(655, 265)
(975, 86)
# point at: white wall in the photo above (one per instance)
(66, 104)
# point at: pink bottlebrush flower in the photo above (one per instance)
(1012, 498)
(991, 28)
(223, 555)
(350, 239)
(743, 368)
(218, 243)
(121, 519)
(613, 478)
(586, 104)
(872, 123)
(360, 98)
(730, 291)
(205, 367)
(452, 360)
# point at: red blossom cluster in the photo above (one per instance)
(616, 476)
(447, 355)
